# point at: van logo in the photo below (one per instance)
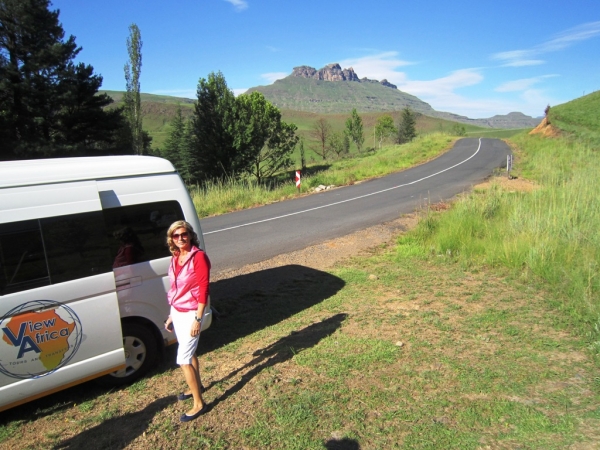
(38, 338)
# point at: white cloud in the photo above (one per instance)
(525, 63)
(444, 86)
(571, 36)
(237, 92)
(439, 93)
(522, 84)
(565, 39)
(239, 5)
(271, 77)
(378, 67)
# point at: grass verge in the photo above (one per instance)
(385, 351)
(220, 198)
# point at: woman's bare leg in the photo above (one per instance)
(192, 378)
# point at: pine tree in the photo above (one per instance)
(173, 149)
(213, 155)
(407, 127)
(49, 106)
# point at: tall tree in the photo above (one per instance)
(48, 105)
(174, 145)
(255, 121)
(354, 129)
(262, 136)
(384, 128)
(407, 130)
(214, 155)
(187, 155)
(321, 131)
(133, 104)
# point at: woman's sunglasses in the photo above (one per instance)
(183, 235)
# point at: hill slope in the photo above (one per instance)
(333, 90)
(578, 117)
(320, 96)
(158, 111)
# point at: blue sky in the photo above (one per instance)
(476, 58)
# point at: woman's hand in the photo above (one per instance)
(169, 324)
(195, 331)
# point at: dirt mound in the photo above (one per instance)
(546, 129)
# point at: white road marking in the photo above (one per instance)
(347, 200)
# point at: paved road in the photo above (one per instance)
(253, 235)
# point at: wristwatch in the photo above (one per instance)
(198, 319)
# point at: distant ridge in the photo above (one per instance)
(332, 89)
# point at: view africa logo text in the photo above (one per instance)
(38, 338)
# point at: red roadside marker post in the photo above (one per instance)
(298, 180)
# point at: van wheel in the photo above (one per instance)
(140, 355)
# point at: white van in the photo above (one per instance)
(83, 270)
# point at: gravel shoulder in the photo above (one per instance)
(327, 254)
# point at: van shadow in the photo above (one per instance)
(251, 302)
(278, 352)
(246, 304)
(117, 432)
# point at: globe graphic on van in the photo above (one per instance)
(38, 338)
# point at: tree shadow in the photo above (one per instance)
(278, 352)
(306, 172)
(251, 302)
(117, 432)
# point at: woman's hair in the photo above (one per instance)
(181, 224)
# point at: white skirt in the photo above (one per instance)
(182, 322)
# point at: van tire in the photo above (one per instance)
(141, 352)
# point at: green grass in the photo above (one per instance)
(496, 133)
(549, 235)
(485, 382)
(477, 331)
(579, 118)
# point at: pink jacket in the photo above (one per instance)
(187, 289)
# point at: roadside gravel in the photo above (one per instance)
(326, 254)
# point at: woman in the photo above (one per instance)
(189, 273)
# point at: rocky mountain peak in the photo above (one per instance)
(333, 72)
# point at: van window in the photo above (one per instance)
(137, 233)
(40, 252)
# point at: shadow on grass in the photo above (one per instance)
(251, 302)
(342, 444)
(246, 303)
(278, 352)
(290, 175)
(117, 432)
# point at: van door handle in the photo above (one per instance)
(128, 283)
